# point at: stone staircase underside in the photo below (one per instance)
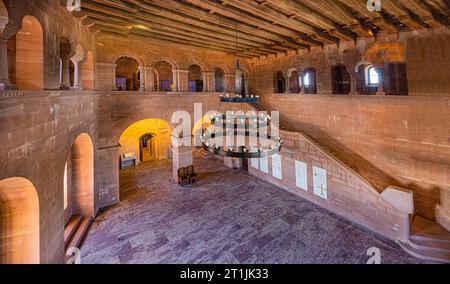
(429, 241)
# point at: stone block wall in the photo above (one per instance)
(37, 130)
(390, 140)
(348, 194)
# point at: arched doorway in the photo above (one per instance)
(19, 222)
(29, 55)
(78, 191)
(219, 77)
(340, 80)
(148, 147)
(156, 131)
(87, 72)
(128, 77)
(79, 179)
(280, 82)
(195, 78)
(164, 76)
(294, 81)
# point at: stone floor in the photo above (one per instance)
(227, 217)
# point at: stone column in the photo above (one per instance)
(208, 81)
(76, 75)
(149, 79)
(141, 78)
(183, 80)
(182, 157)
(380, 71)
(175, 81)
(4, 72)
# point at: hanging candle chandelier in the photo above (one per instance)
(239, 130)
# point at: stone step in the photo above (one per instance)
(430, 245)
(426, 254)
(80, 233)
(71, 228)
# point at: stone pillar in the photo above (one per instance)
(4, 72)
(149, 79)
(175, 81)
(182, 157)
(76, 75)
(380, 71)
(141, 78)
(208, 82)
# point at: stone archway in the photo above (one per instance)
(19, 222)
(79, 175)
(129, 73)
(130, 140)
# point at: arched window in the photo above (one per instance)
(127, 74)
(164, 77)
(373, 77)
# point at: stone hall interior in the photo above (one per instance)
(116, 119)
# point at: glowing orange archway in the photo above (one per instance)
(19, 222)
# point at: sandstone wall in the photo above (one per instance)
(57, 23)
(348, 195)
(37, 130)
(390, 140)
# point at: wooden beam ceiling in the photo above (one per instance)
(262, 27)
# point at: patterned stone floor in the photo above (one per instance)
(228, 217)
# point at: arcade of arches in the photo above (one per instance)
(89, 108)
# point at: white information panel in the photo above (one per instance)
(276, 166)
(320, 182)
(264, 165)
(301, 175)
(254, 162)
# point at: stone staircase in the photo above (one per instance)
(429, 241)
(75, 231)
